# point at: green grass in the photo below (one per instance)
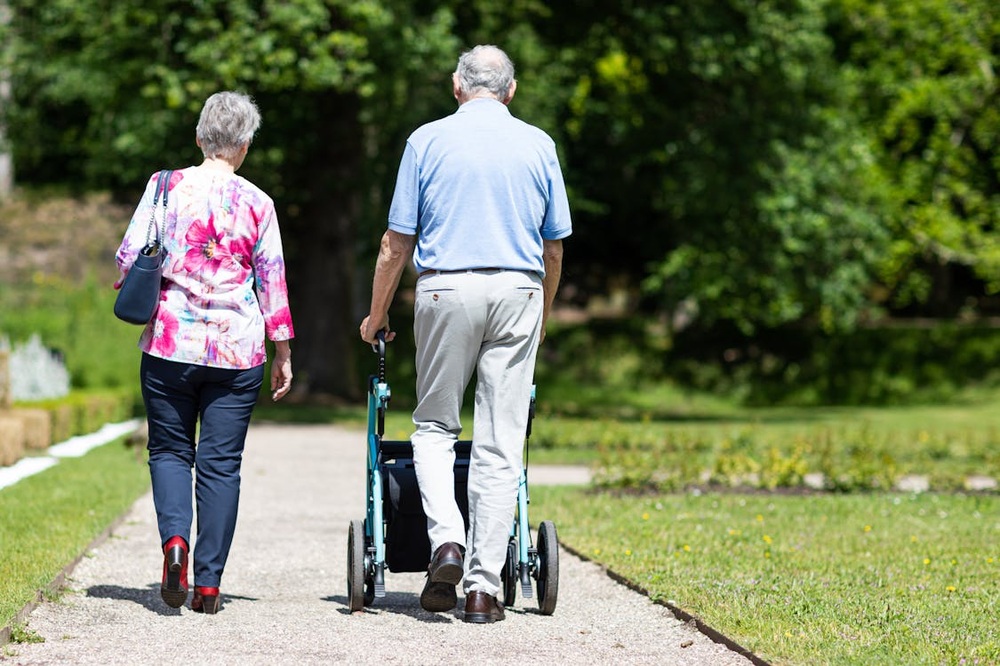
(667, 445)
(51, 517)
(818, 579)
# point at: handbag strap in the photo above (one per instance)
(162, 186)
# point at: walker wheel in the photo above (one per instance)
(509, 576)
(547, 572)
(356, 592)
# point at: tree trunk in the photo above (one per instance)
(321, 232)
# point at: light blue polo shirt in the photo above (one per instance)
(483, 188)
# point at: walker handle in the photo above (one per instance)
(379, 347)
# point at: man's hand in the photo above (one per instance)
(369, 330)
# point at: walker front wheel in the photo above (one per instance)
(509, 576)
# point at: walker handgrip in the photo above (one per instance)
(379, 347)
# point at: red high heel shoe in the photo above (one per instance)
(174, 588)
(205, 600)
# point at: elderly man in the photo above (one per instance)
(480, 206)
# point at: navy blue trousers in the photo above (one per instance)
(180, 397)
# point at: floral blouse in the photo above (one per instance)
(223, 274)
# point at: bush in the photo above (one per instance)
(896, 364)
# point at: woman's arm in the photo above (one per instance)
(281, 370)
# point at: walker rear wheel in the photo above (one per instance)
(356, 566)
(547, 572)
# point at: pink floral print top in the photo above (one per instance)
(223, 275)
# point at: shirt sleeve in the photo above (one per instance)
(557, 223)
(404, 212)
(137, 233)
(269, 269)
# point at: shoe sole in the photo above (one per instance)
(479, 618)
(482, 618)
(439, 593)
(449, 572)
(438, 597)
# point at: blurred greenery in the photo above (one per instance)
(74, 320)
(802, 167)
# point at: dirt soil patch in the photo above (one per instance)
(64, 237)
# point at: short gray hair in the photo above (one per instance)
(228, 122)
(485, 68)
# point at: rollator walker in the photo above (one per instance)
(393, 534)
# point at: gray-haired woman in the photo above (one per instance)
(203, 358)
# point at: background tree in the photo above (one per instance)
(922, 77)
(755, 167)
(713, 162)
(109, 93)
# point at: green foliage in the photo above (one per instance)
(869, 366)
(20, 633)
(835, 457)
(729, 168)
(133, 76)
(922, 78)
(85, 411)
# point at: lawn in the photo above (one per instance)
(51, 517)
(867, 579)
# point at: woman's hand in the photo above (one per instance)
(281, 370)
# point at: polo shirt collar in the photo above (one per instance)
(484, 104)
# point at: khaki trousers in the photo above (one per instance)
(487, 322)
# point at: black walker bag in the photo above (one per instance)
(407, 547)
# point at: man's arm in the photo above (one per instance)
(395, 251)
(552, 256)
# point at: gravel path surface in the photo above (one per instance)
(284, 592)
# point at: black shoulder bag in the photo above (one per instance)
(140, 292)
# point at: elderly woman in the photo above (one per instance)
(203, 358)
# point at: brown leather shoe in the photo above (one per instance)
(443, 574)
(481, 608)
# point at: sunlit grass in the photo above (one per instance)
(946, 443)
(821, 579)
(50, 518)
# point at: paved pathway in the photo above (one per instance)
(284, 592)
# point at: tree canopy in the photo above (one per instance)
(732, 163)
